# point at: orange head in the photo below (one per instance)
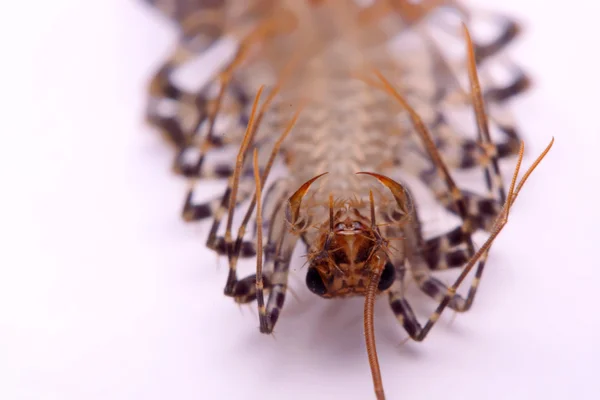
(349, 247)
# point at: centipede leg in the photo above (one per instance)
(446, 296)
(263, 175)
(480, 210)
(429, 285)
(244, 290)
(483, 210)
(406, 316)
(280, 258)
(447, 250)
(509, 32)
(464, 153)
(216, 207)
(278, 254)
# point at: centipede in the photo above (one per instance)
(345, 96)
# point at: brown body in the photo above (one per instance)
(351, 131)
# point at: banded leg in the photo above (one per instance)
(446, 296)
(459, 151)
(278, 255)
(500, 94)
(236, 246)
(478, 152)
(446, 251)
(431, 286)
(449, 249)
(217, 206)
(190, 114)
(455, 254)
(244, 291)
(459, 203)
(509, 31)
(478, 207)
(182, 133)
(201, 22)
(464, 153)
(278, 251)
(407, 318)
(480, 210)
(229, 201)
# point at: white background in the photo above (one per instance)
(106, 294)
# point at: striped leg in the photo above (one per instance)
(281, 267)
(463, 153)
(451, 249)
(480, 210)
(500, 94)
(446, 296)
(407, 317)
(169, 105)
(278, 250)
(216, 207)
(181, 117)
(232, 247)
(229, 200)
(509, 31)
(430, 286)
(414, 243)
(201, 22)
(244, 291)
(457, 201)
(458, 151)
(278, 253)
(446, 251)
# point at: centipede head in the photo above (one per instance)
(349, 245)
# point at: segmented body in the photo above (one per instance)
(314, 54)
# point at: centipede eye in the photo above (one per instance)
(388, 276)
(315, 282)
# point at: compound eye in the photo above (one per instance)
(357, 225)
(340, 227)
(388, 276)
(315, 282)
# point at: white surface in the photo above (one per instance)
(105, 294)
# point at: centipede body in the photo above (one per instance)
(347, 131)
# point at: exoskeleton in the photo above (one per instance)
(345, 111)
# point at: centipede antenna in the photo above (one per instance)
(369, 312)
